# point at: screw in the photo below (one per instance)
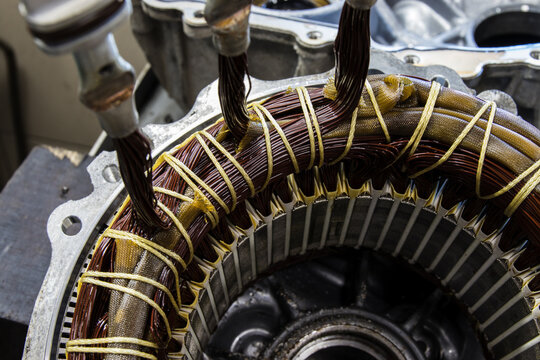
(314, 35)
(411, 59)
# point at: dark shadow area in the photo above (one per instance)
(12, 336)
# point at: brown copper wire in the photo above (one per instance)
(368, 158)
(232, 93)
(135, 161)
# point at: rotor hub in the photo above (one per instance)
(345, 333)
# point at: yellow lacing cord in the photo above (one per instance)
(185, 198)
(113, 340)
(173, 194)
(86, 346)
(373, 99)
(315, 123)
(423, 122)
(107, 350)
(232, 160)
(219, 169)
(311, 121)
(89, 277)
(522, 194)
(180, 228)
(460, 138)
(133, 293)
(349, 138)
(184, 171)
(281, 134)
(308, 126)
(269, 160)
(144, 279)
(510, 185)
(514, 182)
(485, 142)
(529, 186)
(154, 249)
(524, 191)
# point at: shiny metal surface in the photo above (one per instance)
(419, 32)
(101, 68)
(450, 23)
(439, 241)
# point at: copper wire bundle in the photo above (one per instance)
(232, 92)
(135, 163)
(369, 156)
(351, 50)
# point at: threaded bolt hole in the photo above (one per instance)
(71, 225)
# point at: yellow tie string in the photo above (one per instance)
(269, 159)
(232, 160)
(349, 138)
(373, 99)
(219, 169)
(281, 134)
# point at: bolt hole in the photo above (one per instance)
(111, 173)
(71, 225)
(106, 70)
(411, 59)
(168, 119)
(440, 79)
(314, 35)
(535, 54)
(198, 14)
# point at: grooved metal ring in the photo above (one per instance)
(425, 234)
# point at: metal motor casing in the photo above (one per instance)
(176, 41)
(74, 226)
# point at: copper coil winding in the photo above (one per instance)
(513, 148)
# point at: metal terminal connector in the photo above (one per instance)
(229, 21)
(107, 83)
